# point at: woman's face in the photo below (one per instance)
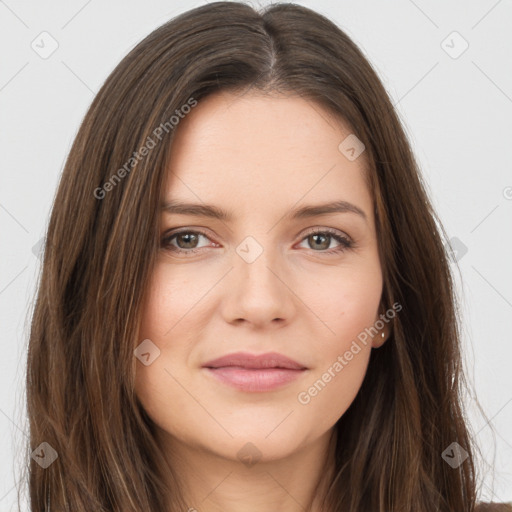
(259, 280)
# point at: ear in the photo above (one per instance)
(381, 337)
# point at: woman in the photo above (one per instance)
(245, 301)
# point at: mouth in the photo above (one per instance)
(255, 362)
(255, 373)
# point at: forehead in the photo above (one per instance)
(263, 151)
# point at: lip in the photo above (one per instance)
(252, 361)
(255, 373)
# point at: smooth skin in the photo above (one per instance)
(259, 157)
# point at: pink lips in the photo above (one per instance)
(253, 373)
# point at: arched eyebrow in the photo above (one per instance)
(327, 208)
(208, 210)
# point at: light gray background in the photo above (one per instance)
(457, 113)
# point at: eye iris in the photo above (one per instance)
(190, 238)
(324, 245)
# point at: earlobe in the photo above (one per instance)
(380, 338)
(384, 330)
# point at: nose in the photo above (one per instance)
(257, 292)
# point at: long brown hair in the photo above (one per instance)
(103, 236)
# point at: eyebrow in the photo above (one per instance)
(207, 210)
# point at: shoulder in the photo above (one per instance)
(493, 507)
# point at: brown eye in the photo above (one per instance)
(187, 240)
(320, 241)
(183, 241)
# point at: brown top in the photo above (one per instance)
(493, 507)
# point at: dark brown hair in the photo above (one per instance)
(100, 249)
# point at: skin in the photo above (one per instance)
(260, 157)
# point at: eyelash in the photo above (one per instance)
(345, 243)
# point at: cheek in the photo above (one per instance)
(340, 368)
(172, 296)
(346, 300)
(163, 387)
(333, 388)
(349, 308)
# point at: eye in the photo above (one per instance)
(186, 241)
(321, 238)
